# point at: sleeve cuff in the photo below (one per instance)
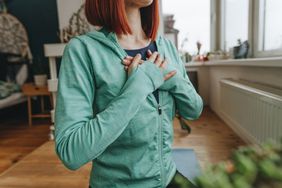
(153, 72)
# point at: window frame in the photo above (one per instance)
(258, 35)
(222, 9)
(213, 27)
(253, 30)
(217, 29)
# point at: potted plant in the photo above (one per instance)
(257, 166)
(39, 70)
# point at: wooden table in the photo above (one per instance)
(30, 90)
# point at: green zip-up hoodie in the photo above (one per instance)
(112, 119)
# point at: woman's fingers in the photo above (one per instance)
(164, 64)
(131, 62)
(127, 60)
(134, 63)
(170, 74)
(149, 53)
(159, 60)
(136, 60)
(129, 57)
(153, 57)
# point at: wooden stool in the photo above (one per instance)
(31, 90)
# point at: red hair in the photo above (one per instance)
(111, 15)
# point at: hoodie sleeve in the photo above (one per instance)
(79, 136)
(188, 102)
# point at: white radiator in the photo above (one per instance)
(252, 110)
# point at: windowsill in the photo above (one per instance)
(250, 62)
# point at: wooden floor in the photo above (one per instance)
(212, 140)
(16, 138)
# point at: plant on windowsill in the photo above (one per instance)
(39, 70)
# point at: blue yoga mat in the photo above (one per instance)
(186, 162)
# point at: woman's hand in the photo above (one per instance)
(131, 63)
(169, 84)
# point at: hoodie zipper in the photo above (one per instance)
(161, 138)
(159, 109)
(159, 43)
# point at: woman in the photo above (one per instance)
(116, 110)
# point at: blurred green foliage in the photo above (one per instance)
(248, 167)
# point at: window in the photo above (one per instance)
(270, 26)
(227, 21)
(186, 22)
(235, 22)
(254, 20)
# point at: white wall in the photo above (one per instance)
(65, 10)
(161, 27)
(203, 79)
(209, 79)
(270, 76)
(210, 74)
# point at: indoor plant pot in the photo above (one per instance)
(40, 80)
(39, 72)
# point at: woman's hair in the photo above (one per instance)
(111, 15)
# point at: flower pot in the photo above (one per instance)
(40, 80)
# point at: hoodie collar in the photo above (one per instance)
(113, 36)
(110, 39)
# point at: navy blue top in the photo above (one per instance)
(143, 51)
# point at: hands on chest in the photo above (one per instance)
(168, 71)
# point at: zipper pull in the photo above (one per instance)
(159, 110)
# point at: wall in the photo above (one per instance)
(203, 79)
(40, 19)
(209, 79)
(265, 71)
(65, 10)
(270, 76)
